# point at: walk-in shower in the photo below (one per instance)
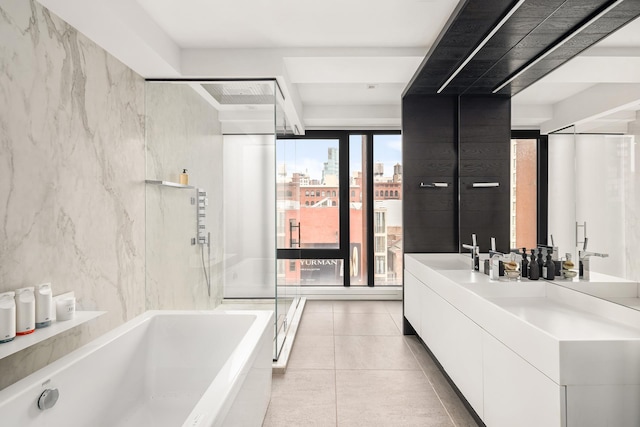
(212, 241)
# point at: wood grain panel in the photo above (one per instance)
(532, 29)
(429, 155)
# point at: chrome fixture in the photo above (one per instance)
(485, 184)
(434, 185)
(494, 264)
(48, 399)
(583, 257)
(484, 41)
(558, 44)
(475, 253)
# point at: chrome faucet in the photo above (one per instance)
(494, 264)
(475, 253)
(583, 257)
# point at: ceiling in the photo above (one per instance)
(339, 64)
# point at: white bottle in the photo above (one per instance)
(7, 317)
(44, 305)
(25, 311)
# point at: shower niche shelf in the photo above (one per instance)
(168, 184)
(24, 341)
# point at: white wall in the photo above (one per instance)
(71, 176)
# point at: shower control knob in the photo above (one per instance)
(48, 398)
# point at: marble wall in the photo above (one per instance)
(183, 132)
(72, 170)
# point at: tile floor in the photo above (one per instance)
(351, 366)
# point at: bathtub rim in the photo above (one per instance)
(235, 367)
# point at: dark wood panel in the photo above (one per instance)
(435, 239)
(433, 202)
(485, 168)
(535, 27)
(485, 227)
(421, 167)
(483, 150)
(429, 127)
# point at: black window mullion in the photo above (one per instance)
(345, 206)
(370, 205)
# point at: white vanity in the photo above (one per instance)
(527, 353)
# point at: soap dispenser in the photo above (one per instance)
(524, 264)
(540, 260)
(25, 311)
(534, 273)
(7, 317)
(44, 305)
(549, 268)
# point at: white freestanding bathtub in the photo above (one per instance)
(163, 368)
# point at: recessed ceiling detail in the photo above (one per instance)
(534, 35)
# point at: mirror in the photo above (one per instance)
(594, 202)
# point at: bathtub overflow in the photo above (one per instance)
(48, 398)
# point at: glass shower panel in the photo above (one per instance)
(214, 238)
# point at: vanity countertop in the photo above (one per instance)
(570, 336)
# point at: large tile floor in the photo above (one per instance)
(351, 366)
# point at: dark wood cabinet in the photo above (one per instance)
(484, 146)
(430, 156)
(458, 141)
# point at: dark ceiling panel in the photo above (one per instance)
(534, 28)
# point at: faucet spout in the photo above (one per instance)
(584, 256)
(475, 253)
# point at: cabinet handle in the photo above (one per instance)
(434, 185)
(485, 184)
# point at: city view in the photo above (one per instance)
(308, 210)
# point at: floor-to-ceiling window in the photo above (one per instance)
(340, 209)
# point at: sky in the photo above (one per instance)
(309, 155)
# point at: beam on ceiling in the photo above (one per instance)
(353, 117)
(598, 101)
(122, 28)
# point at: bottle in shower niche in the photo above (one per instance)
(184, 177)
(25, 311)
(7, 317)
(549, 268)
(534, 273)
(44, 305)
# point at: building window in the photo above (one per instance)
(380, 267)
(353, 193)
(396, 193)
(386, 193)
(379, 222)
(376, 193)
(323, 194)
(306, 203)
(333, 194)
(289, 193)
(380, 245)
(334, 203)
(317, 194)
(306, 193)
